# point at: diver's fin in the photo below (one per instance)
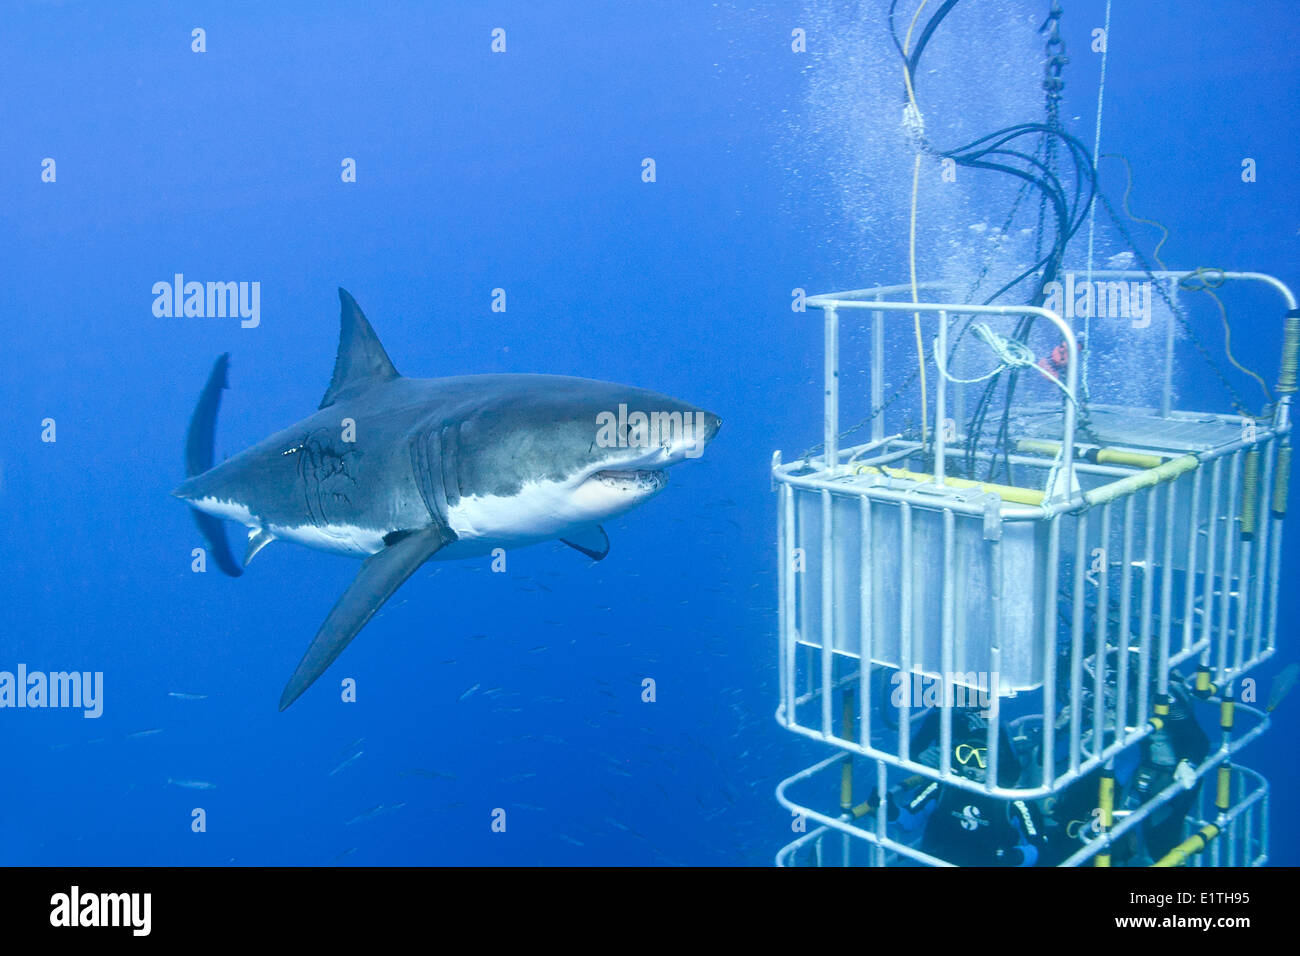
(258, 538)
(199, 441)
(361, 359)
(591, 541)
(381, 574)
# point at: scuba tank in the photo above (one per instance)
(1172, 750)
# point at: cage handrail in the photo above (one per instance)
(1272, 281)
(1262, 277)
(830, 306)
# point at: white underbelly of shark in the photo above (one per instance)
(420, 472)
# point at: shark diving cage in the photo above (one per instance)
(1009, 650)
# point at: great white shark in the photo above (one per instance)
(398, 471)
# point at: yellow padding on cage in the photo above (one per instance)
(1099, 456)
(1106, 800)
(1114, 456)
(1022, 496)
(1226, 714)
(1281, 479)
(1290, 350)
(1106, 805)
(1250, 494)
(1223, 790)
(1143, 479)
(1036, 446)
(846, 768)
(1193, 844)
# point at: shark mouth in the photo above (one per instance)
(633, 481)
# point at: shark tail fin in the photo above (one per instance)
(199, 442)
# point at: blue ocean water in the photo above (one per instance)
(478, 171)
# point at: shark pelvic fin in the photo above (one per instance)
(591, 541)
(361, 359)
(258, 538)
(380, 576)
(199, 441)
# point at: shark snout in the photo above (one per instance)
(705, 426)
(711, 425)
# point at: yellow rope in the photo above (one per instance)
(911, 247)
(1210, 278)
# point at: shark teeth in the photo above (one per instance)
(631, 480)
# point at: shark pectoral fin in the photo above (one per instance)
(199, 441)
(258, 538)
(591, 541)
(380, 575)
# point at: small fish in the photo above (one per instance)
(192, 784)
(351, 747)
(346, 762)
(346, 853)
(377, 810)
(468, 692)
(1282, 685)
(183, 696)
(145, 733)
(538, 649)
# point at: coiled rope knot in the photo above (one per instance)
(1010, 353)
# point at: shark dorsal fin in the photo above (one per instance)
(361, 359)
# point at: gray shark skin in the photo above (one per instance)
(398, 471)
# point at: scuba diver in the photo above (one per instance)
(1171, 751)
(956, 824)
(972, 829)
